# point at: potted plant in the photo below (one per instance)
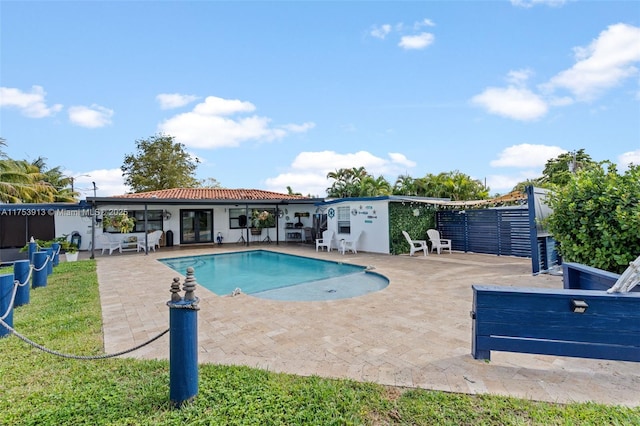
(70, 250)
(261, 219)
(121, 221)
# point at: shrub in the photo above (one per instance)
(596, 217)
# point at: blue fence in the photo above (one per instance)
(503, 231)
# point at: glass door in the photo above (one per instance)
(196, 226)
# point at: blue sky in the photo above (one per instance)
(273, 94)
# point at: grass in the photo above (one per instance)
(43, 389)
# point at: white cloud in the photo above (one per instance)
(527, 155)
(519, 77)
(299, 128)
(530, 3)
(108, 182)
(381, 31)
(174, 100)
(92, 117)
(419, 41)
(30, 104)
(604, 64)
(416, 41)
(502, 184)
(308, 171)
(631, 157)
(424, 23)
(208, 125)
(213, 105)
(401, 159)
(512, 102)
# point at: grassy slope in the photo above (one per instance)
(39, 388)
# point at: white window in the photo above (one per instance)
(344, 220)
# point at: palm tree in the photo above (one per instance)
(63, 185)
(21, 182)
(405, 185)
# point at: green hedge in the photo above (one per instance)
(596, 217)
(415, 218)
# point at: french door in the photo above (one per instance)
(196, 226)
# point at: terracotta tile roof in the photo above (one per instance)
(212, 194)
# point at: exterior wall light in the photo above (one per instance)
(579, 306)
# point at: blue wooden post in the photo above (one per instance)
(183, 350)
(56, 253)
(33, 247)
(6, 310)
(21, 272)
(39, 269)
(49, 251)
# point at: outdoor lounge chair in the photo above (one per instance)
(153, 240)
(107, 242)
(416, 245)
(325, 241)
(438, 243)
(350, 244)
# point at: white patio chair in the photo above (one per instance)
(438, 243)
(325, 241)
(110, 243)
(416, 245)
(347, 244)
(153, 241)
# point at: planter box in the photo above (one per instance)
(71, 257)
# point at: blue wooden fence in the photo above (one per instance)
(550, 322)
(503, 231)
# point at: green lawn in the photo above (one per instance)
(42, 389)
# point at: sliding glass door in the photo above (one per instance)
(196, 226)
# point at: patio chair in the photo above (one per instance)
(416, 245)
(438, 243)
(109, 243)
(325, 241)
(153, 240)
(350, 244)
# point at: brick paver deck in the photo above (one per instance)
(414, 333)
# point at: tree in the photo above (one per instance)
(596, 217)
(454, 185)
(374, 187)
(558, 171)
(290, 191)
(23, 182)
(160, 163)
(356, 182)
(405, 185)
(62, 184)
(210, 183)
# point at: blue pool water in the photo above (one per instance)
(278, 276)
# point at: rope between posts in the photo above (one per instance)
(28, 277)
(16, 284)
(82, 357)
(43, 265)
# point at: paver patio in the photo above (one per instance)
(414, 333)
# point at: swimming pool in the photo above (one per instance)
(278, 276)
